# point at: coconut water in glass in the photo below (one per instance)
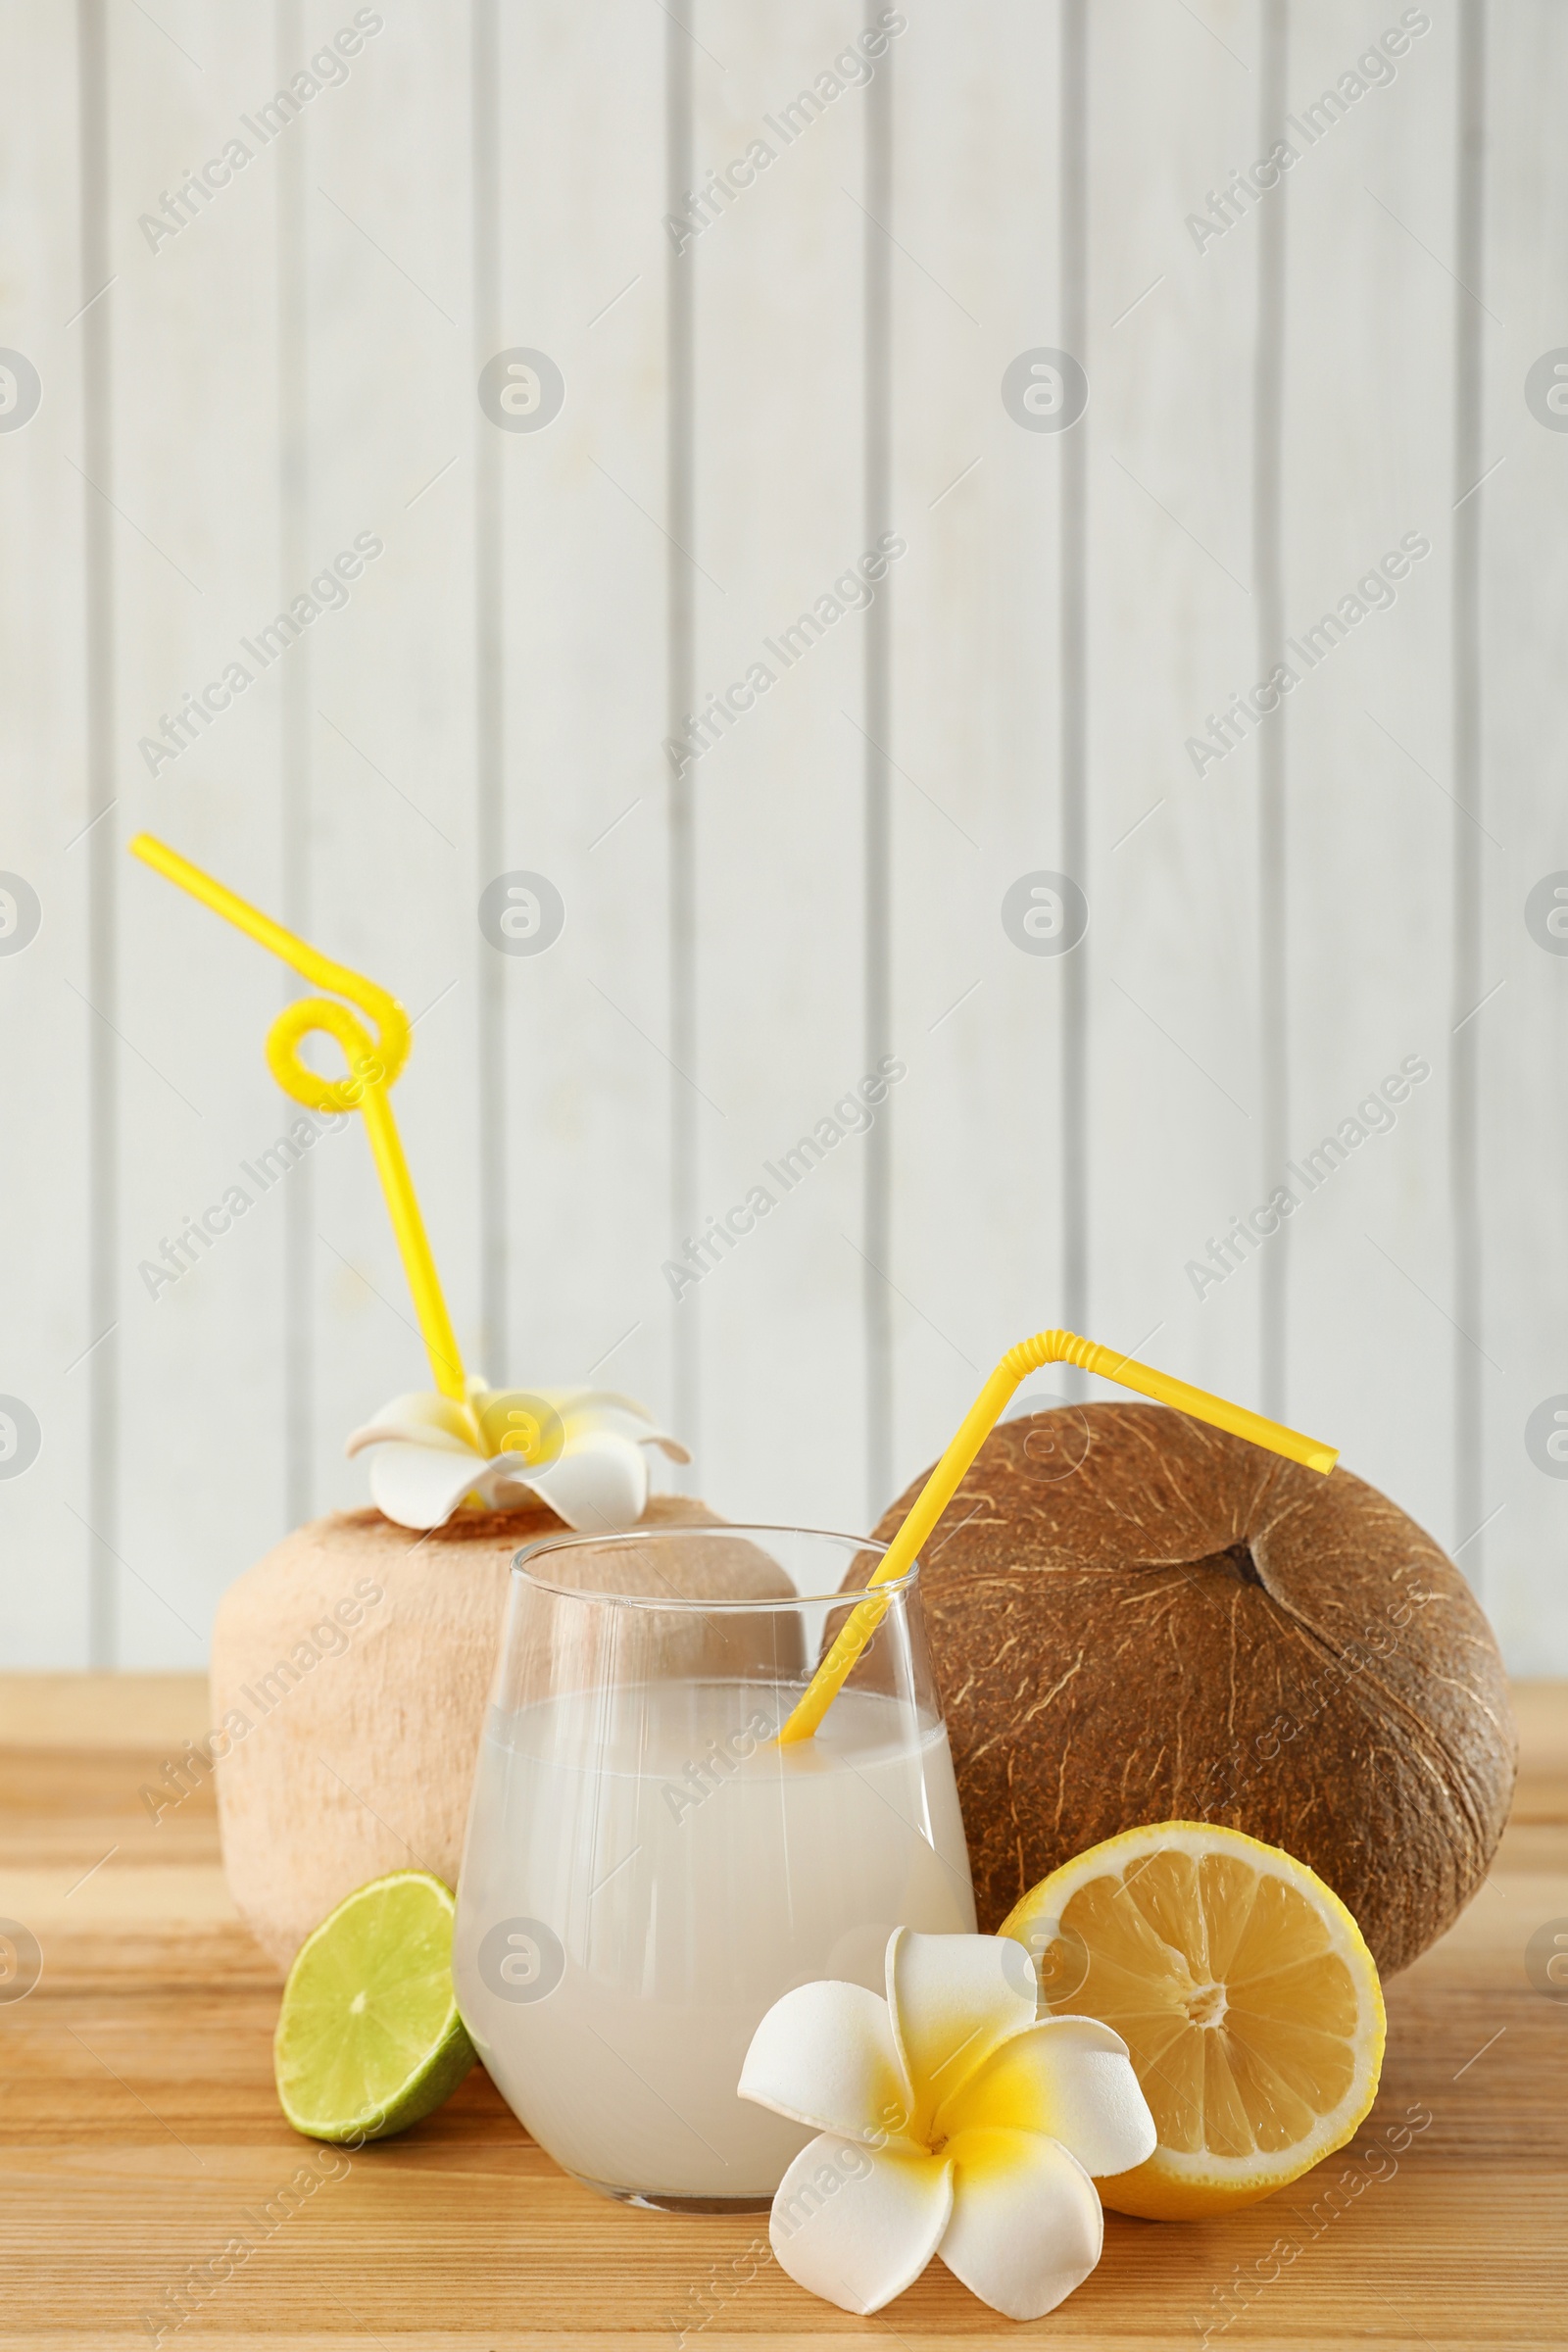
(647, 1871)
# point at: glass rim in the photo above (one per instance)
(522, 1567)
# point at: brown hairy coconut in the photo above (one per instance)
(1136, 1618)
(350, 1673)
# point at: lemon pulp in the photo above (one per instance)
(1243, 1990)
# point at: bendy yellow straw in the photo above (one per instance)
(1045, 1347)
(374, 1064)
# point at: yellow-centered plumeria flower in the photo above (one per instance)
(949, 2122)
(583, 1451)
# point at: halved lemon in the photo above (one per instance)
(1244, 1991)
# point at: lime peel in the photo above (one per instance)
(368, 2037)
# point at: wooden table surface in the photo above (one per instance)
(140, 2135)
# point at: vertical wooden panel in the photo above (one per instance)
(1175, 1010)
(877, 197)
(976, 791)
(1074, 119)
(104, 1514)
(779, 284)
(46, 1299)
(1522, 1113)
(392, 712)
(294, 460)
(195, 569)
(1271, 266)
(1468, 508)
(487, 113)
(682, 50)
(587, 1029)
(1368, 463)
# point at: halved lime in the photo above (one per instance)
(369, 2039)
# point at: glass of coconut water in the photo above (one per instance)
(647, 1870)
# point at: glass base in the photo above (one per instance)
(653, 2200)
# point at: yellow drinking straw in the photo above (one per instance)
(374, 1064)
(1045, 1347)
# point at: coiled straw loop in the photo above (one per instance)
(374, 1063)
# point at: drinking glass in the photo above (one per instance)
(647, 1871)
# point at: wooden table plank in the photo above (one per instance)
(139, 2133)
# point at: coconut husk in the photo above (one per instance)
(1137, 1618)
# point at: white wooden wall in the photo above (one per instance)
(1266, 417)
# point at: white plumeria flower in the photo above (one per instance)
(949, 2123)
(583, 1451)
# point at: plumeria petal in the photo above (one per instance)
(856, 2225)
(596, 1484)
(1026, 2226)
(672, 1447)
(824, 2055)
(954, 1999)
(608, 1408)
(422, 1418)
(422, 1486)
(1069, 2078)
(504, 1483)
